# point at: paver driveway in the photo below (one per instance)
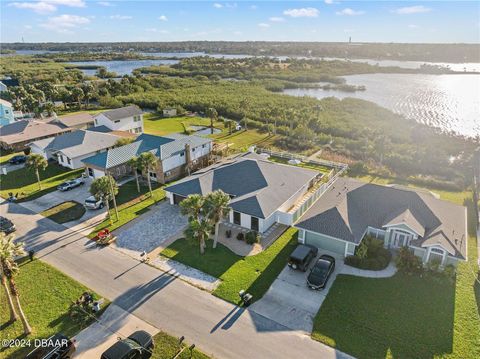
(149, 231)
(290, 302)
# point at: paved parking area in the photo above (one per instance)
(290, 302)
(150, 230)
(9, 167)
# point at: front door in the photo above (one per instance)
(254, 224)
(399, 239)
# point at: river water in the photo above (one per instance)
(449, 102)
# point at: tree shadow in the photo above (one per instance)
(227, 322)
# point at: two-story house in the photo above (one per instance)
(6, 113)
(128, 119)
(178, 155)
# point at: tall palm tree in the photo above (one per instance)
(216, 208)
(8, 251)
(147, 162)
(37, 162)
(192, 206)
(213, 115)
(133, 162)
(105, 188)
(6, 243)
(198, 230)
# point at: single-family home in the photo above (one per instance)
(169, 112)
(128, 119)
(18, 135)
(177, 156)
(262, 192)
(433, 229)
(79, 121)
(71, 148)
(6, 113)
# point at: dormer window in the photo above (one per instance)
(182, 154)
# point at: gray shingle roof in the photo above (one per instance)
(76, 119)
(258, 186)
(123, 112)
(161, 146)
(349, 207)
(78, 143)
(21, 131)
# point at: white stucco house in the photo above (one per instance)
(129, 119)
(433, 229)
(262, 192)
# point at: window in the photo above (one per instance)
(437, 250)
(96, 122)
(90, 172)
(254, 224)
(6, 111)
(137, 118)
(168, 173)
(60, 158)
(203, 146)
(236, 218)
(116, 121)
(152, 174)
(137, 130)
(68, 160)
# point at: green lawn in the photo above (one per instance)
(157, 125)
(252, 273)
(311, 166)
(5, 157)
(45, 294)
(24, 181)
(166, 347)
(241, 140)
(65, 212)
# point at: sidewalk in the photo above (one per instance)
(384, 273)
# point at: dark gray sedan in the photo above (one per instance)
(320, 272)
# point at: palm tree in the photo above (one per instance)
(37, 162)
(77, 94)
(198, 230)
(192, 206)
(216, 208)
(133, 162)
(9, 268)
(147, 162)
(5, 247)
(244, 108)
(213, 115)
(105, 188)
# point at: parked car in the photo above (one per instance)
(136, 346)
(15, 160)
(93, 203)
(320, 272)
(302, 256)
(58, 346)
(6, 225)
(68, 185)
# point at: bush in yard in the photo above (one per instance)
(252, 237)
(240, 236)
(450, 271)
(370, 255)
(408, 262)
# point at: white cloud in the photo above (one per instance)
(38, 7)
(417, 9)
(71, 3)
(330, 2)
(105, 3)
(302, 12)
(217, 5)
(120, 17)
(263, 25)
(253, 7)
(64, 23)
(162, 18)
(413, 26)
(350, 12)
(154, 29)
(276, 19)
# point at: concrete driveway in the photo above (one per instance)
(113, 324)
(290, 302)
(9, 167)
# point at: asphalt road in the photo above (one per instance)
(169, 304)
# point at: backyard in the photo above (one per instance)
(24, 181)
(155, 124)
(252, 273)
(46, 295)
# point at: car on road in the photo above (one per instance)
(7, 226)
(68, 185)
(139, 345)
(15, 160)
(93, 203)
(302, 256)
(58, 346)
(320, 272)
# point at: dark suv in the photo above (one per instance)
(15, 160)
(139, 345)
(58, 346)
(302, 256)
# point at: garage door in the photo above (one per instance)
(326, 243)
(177, 198)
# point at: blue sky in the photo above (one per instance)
(330, 20)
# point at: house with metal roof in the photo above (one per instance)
(435, 230)
(262, 192)
(71, 148)
(177, 156)
(129, 118)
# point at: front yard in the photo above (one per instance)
(65, 212)
(252, 273)
(24, 181)
(166, 347)
(45, 294)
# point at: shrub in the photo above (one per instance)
(357, 169)
(408, 262)
(370, 255)
(252, 237)
(240, 236)
(449, 271)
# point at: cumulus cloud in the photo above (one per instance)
(263, 25)
(302, 12)
(417, 9)
(350, 12)
(46, 6)
(276, 19)
(120, 17)
(162, 18)
(217, 5)
(71, 3)
(64, 23)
